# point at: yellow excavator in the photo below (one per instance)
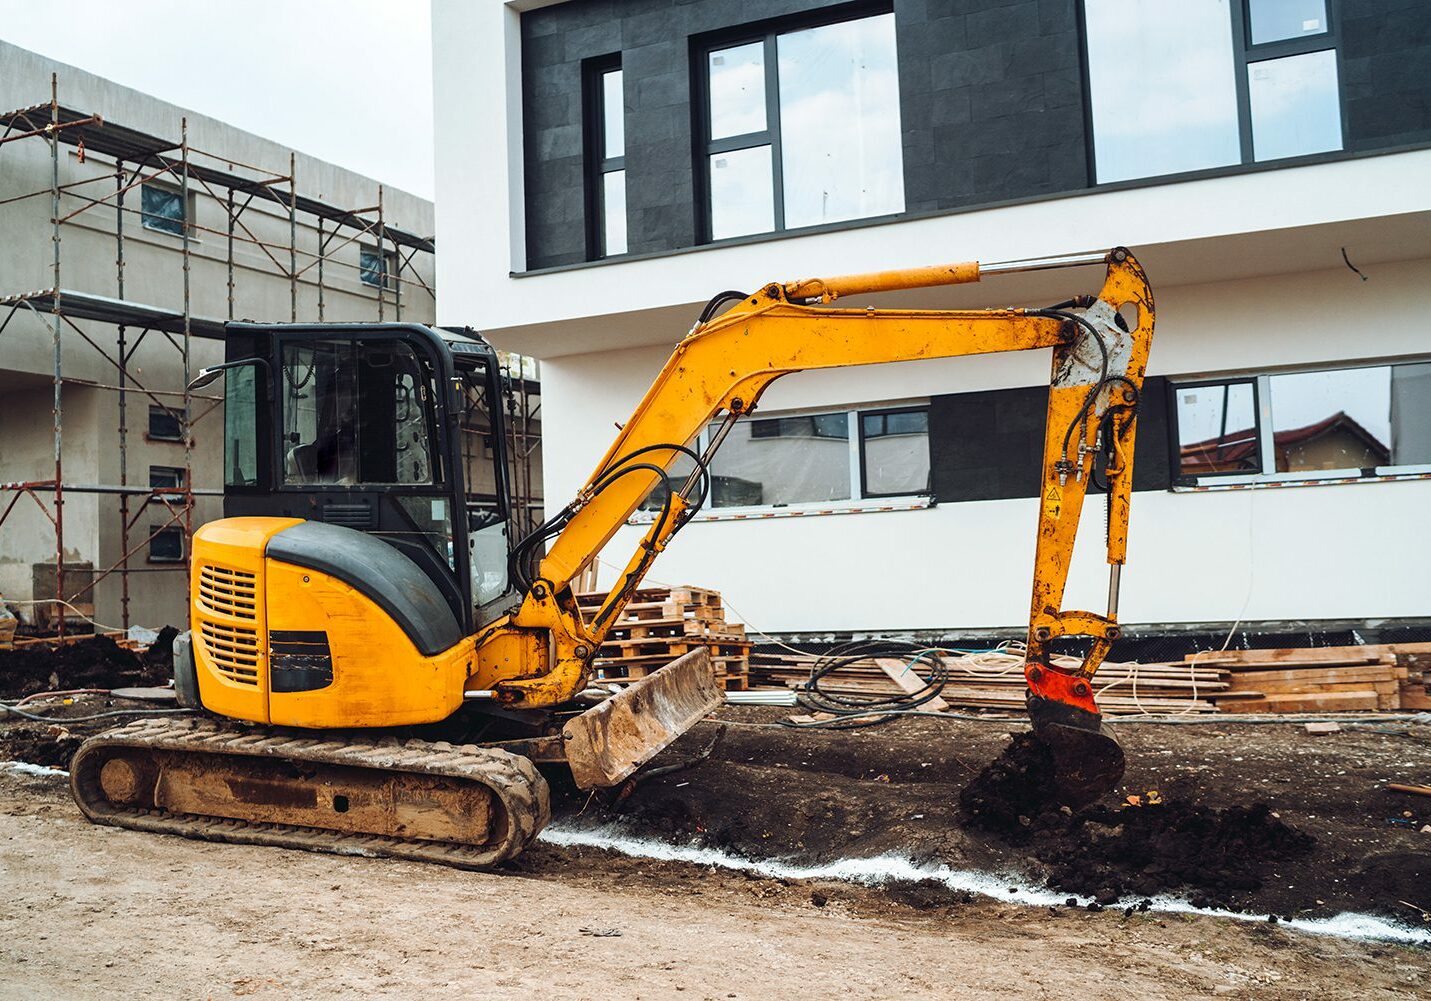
(363, 582)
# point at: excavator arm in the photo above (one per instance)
(541, 654)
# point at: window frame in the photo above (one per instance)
(857, 502)
(168, 414)
(1259, 420)
(388, 257)
(860, 415)
(1244, 55)
(158, 531)
(1266, 441)
(188, 205)
(766, 32)
(598, 164)
(180, 478)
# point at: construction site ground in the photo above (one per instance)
(89, 911)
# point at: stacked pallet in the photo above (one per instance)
(996, 681)
(660, 624)
(1323, 679)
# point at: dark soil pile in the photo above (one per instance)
(94, 662)
(51, 746)
(1220, 855)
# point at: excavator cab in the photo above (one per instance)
(392, 430)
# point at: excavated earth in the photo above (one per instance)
(1262, 818)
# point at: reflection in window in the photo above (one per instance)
(742, 201)
(808, 426)
(842, 73)
(737, 90)
(1295, 105)
(165, 424)
(607, 149)
(1217, 429)
(1332, 420)
(774, 469)
(1162, 87)
(241, 426)
(1338, 420)
(800, 170)
(895, 452)
(1274, 20)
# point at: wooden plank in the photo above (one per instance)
(909, 682)
(1313, 676)
(1310, 703)
(1410, 790)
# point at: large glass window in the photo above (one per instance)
(1335, 421)
(357, 412)
(606, 142)
(1183, 85)
(801, 459)
(803, 128)
(1296, 107)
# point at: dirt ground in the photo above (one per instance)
(98, 912)
(92, 912)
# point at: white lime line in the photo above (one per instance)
(898, 868)
(24, 767)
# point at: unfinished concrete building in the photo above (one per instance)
(133, 230)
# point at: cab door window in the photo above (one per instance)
(357, 412)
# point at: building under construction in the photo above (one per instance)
(134, 231)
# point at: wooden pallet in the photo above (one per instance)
(730, 672)
(661, 624)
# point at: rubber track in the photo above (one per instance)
(513, 780)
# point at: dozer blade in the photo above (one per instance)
(1087, 761)
(608, 742)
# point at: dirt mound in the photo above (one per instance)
(39, 746)
(93, 662)
(1219, 854)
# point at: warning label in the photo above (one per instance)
(1053, 502)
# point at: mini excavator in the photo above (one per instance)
(363, 582)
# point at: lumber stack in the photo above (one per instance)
(1323, 679)
(996, 681)
(660, 624)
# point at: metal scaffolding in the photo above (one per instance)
(139, 158)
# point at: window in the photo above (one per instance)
(802, 128)
(378, 270)
(241, 426)
(606, 145)
(814, 459)
(162, 209)
(894, 453)
(166, 477)
(165, 424)
(1218, 83)
(166, 545)
(1335, 422)
(357, 412)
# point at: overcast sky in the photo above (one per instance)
(349, 81)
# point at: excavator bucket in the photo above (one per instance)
(1087, 761)
(607, 743)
